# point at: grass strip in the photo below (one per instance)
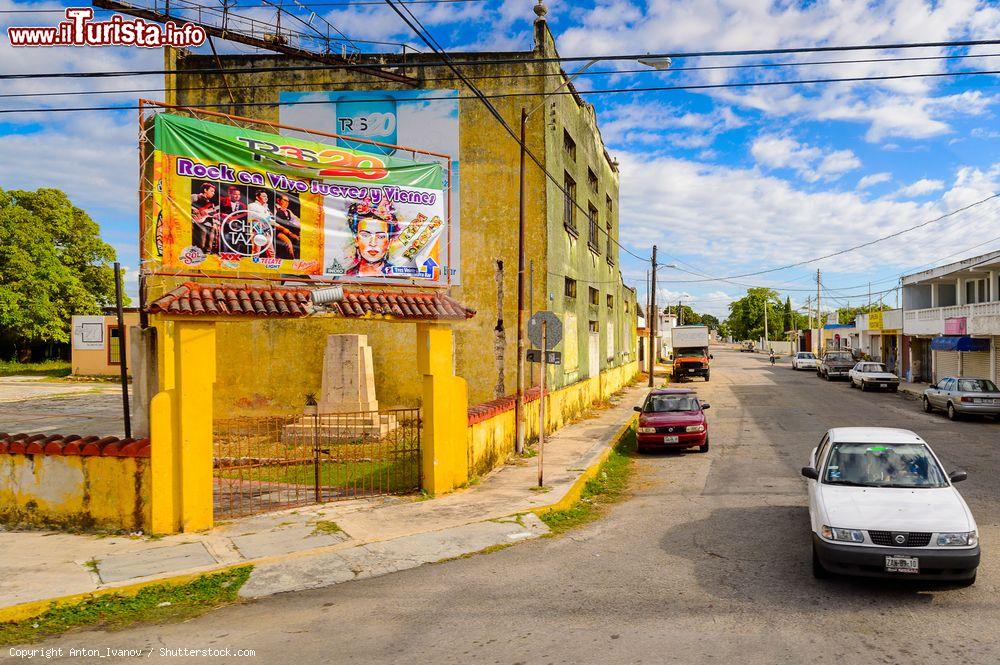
(608, 486)
(44, 368)
(157, 603)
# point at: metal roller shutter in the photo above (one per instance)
(996, 360)
(945, 364)
(976, 365)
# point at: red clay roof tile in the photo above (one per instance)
(290, 302)
(73, 444)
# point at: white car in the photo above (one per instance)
(872, 376)
(804, 360)
(881, 505)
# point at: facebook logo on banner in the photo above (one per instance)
(373, 119)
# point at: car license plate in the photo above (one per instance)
(988, 401)
(881, 385)
(692, 370)
(902, 564)
(671, 439)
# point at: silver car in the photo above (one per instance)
(957, 396)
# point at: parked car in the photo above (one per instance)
(873, 376)
(881, 505)
(957, 396)
(672, 418)
(835, 364)
(804, 360)
(748, 347)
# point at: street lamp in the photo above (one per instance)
(659, 64)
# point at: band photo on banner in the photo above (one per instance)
(233, 200)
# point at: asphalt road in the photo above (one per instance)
(707, 562)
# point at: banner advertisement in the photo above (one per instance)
(238, 201)
(425, 118)
(875, 320)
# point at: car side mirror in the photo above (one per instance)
(810, 472)
(711, 357)
(705, 406)
(637, 408)
(958, 476)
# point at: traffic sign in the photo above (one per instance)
(551, 357)
(553, 329)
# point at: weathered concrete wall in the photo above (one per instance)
(491, 439)
(73, 492)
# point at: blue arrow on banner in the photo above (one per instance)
(429, 266)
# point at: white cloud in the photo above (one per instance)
(655, 123)
(732, 220)
(874, 179)
(809, 162)
(919, 188)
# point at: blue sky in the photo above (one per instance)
(725, 181)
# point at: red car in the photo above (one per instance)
(672, 419)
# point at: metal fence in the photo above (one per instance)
(271, 463)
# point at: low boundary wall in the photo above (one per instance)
(491, 435)
(74, 483)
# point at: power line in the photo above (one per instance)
(351, 86)
(527, 94)
(309, 5)
(428, 39)
(528, 61)
(851, 249)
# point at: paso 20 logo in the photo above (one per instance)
(328, 163)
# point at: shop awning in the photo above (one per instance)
(960, 343)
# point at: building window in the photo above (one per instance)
(594, 225)
(611, 242)
(593, 327)
(970, 292)
(114, 342)
(595, 296)
(569, 288)
(611, 301)
(592, 179)
(569, 145)
(569, 203)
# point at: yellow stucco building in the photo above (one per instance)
(271, 365)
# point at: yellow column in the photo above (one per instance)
(194, 357)
(443, 441)
(181, 427)
(165, 509)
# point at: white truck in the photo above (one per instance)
(690, 352)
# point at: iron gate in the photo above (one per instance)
(271, 463)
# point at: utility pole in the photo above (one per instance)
(819, 316)
(680, 314)
(766, 337)
(521, 346)
(652, 321)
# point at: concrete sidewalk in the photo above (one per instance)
(324, 544)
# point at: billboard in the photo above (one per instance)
(229, 200)
(427, 119)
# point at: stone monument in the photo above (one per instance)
(346, 407)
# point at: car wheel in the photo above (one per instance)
(864, 386)
(703, 448)
(927, 406)
(952, 413)
(819, 572)
(707, 375)
(827, 377)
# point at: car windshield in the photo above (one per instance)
(671, 403)
(976, 386)
(839, 357)
(883, 465)
(806, 356)
(872, 367)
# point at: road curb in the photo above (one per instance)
(29, 610)
(573, 495)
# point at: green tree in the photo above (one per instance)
(53, 264)
(746, 315)
(787, 319)
(711, 321)
(688, 316)
(848, 314)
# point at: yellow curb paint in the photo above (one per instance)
(36, 608)
(573, 495)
